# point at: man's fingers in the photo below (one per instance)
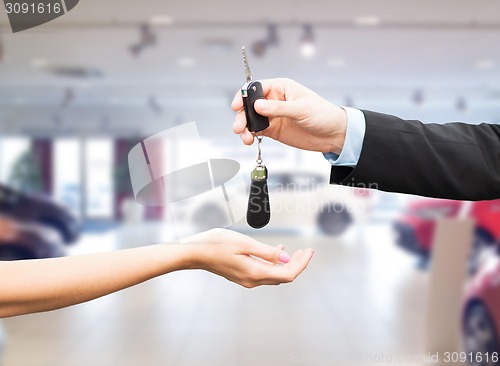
(267, 86)
(277, 86)
(237, 103)
(240, 128)
(240, 122)
(278, 108)
(247, 137)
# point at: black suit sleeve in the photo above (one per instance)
(454, 160)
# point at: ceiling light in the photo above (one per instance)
(308, 50)
(308, 43)
(39, 63)
(217, 45)
(186, 62)
(161, 20)
(76, 72)
(335, 63)
(367, 21)
(485, 64)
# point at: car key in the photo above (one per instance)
(259, 210)
(252, 91)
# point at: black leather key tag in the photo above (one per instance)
(259, 209)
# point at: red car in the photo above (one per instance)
(415, 229)
(481, 314)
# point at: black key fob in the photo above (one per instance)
(259, 210)
(251, 92)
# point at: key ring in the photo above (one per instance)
(259, 139)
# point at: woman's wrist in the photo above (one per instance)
(180, 256)
(192, 256)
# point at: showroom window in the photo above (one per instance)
(11, 150)
(99, 178)
(83, 176)
(67, 173)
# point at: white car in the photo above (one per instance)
(301, 199)
(298, 200)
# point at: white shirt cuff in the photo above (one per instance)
(355, 134)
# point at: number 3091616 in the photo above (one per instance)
(25, 8)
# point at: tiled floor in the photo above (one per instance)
(359, 294)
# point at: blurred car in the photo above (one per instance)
(298, 200)
(19, 241)
(481, 314)
(415, 229)
(35, 209)
(307, 199)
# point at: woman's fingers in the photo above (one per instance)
(299, 261)
(266, 252)
(239, 264)
(275, 275)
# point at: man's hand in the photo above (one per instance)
(244, 260)
(298, 117)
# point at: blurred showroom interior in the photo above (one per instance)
(78, 93)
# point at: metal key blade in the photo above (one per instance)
(248, 74)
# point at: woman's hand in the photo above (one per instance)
(244, 260)
(49, 284)
(298, 117)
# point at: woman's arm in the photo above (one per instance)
(49, 284)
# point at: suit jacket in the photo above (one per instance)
(454, 160)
